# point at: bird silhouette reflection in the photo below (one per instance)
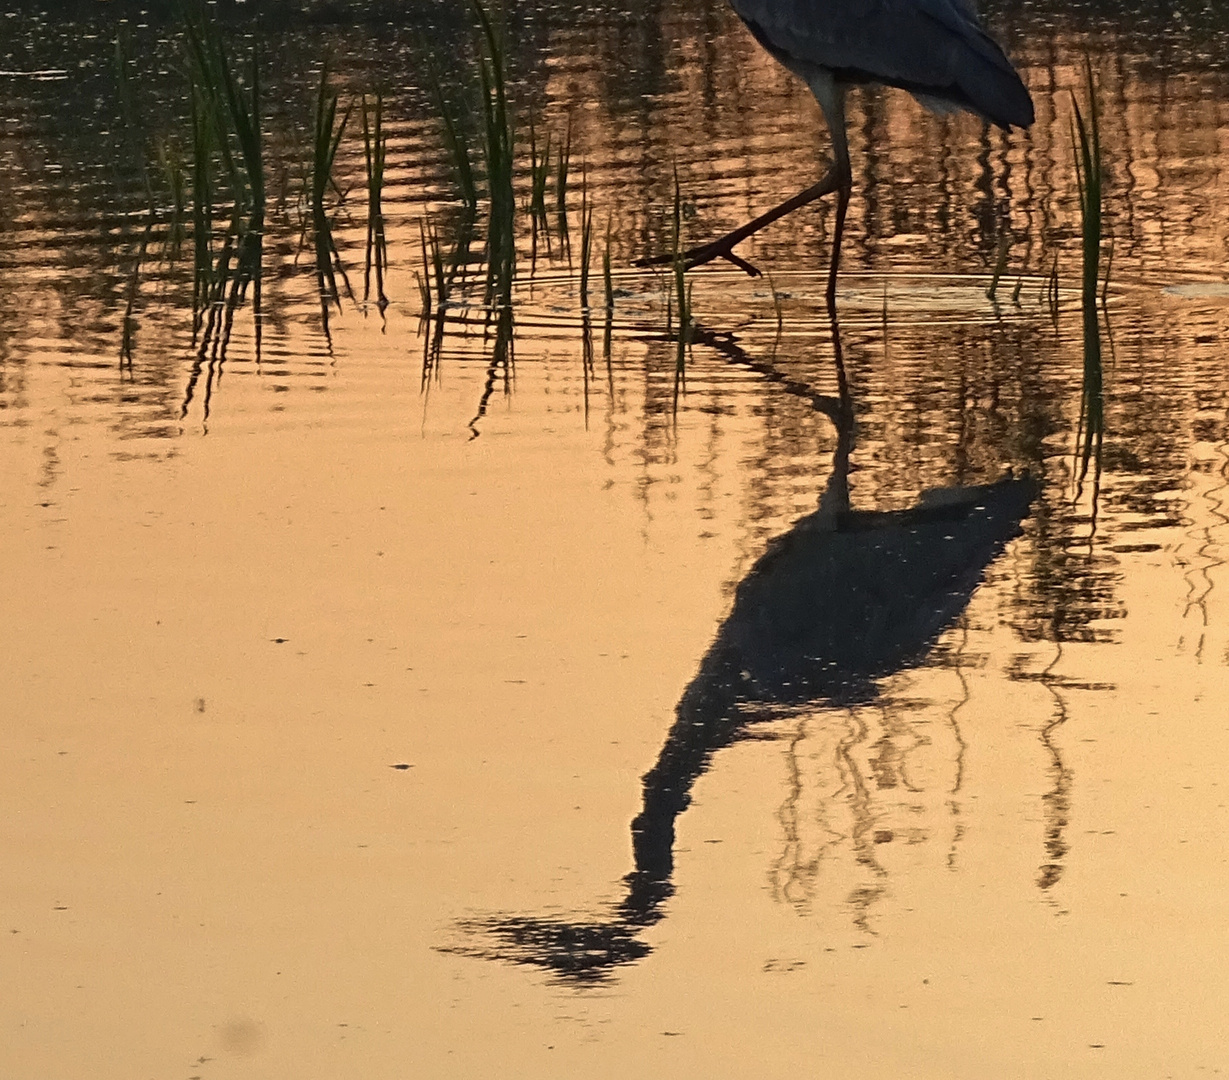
(843, 599)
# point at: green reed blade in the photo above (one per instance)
(457, 145)
(561, 173)
(586, 235)
(607, 280)
(1086, 146)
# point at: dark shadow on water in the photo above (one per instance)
(843, 599)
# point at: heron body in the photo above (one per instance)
(934, 49)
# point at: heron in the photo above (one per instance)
(934, 49)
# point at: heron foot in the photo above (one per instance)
(705, 253)
(837, 180)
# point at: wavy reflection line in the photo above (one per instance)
(953, 722)
(1199, 580)
(794, 876)
(502, 353)
(1056, 802)
(790, 876)
(862, 834)
(901, 729)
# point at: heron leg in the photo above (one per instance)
(723, 247)
(842, 206)
(830, 94)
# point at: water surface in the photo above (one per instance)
(641, 825)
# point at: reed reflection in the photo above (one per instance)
(842, 600)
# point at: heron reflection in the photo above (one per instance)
(842, 600)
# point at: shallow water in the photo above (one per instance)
(378, 707)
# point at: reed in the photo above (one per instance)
(229, 106)
(375, 151)
(776, 305)
(1000, 266)
(682, 294)
(498, 152)
(456, 143)
(123, 57)
(683, 340)
(607, 278)
(134, 129)
(129, 324)
(225, 112)
(171, 164)
(539, 174)
(136, 135)
(439, 275)
(326, 138)
(562, 165)
(586, 237)
(1105, 281)
(1049, 290)
(327, 132)
(424, 280)
(586, 358)
(203, 138)
(202, 203)
(1086, 145)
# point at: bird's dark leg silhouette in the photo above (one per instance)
(723, 248)
(839, 179)
(842, 205)
(831, 97)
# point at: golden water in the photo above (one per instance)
(236, 594)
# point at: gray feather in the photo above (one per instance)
(932, 48)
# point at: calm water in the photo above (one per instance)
(697, 782)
